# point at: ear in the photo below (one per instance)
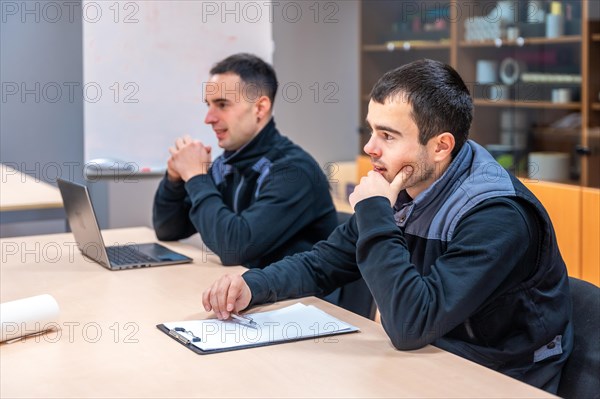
(443, 146)
(263, 107)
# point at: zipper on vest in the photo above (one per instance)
(237, 194)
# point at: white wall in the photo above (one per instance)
(41, 107)
(151, 61)
(316, 58)
(318, 53)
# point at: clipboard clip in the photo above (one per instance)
(175, 333)
(244, 320)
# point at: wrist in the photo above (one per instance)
(187, 176)
(174, 179)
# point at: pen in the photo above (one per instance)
(245, 320)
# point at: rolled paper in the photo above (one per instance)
(28, 316)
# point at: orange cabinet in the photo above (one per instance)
(575, 214)
(363, 166)
(590, 235)
(563, 203)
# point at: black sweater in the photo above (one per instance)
(471, 265)
(268, 200)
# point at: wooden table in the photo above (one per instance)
(24, 198)
(109, 346)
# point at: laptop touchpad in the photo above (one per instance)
(159, 252)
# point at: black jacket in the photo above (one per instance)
(265, 201)
(471, 265)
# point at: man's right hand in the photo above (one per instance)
(229, 294)
(188, 158)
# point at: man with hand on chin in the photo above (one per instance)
(456, 251)
(265, 197)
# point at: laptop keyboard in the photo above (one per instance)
(127, 254)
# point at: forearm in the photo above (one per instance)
(170, 214)
(384, 261)
(330, 264)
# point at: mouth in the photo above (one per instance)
(221, 133)
(379, 169)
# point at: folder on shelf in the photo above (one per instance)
(292, 323)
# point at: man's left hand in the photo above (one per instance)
(375, 185)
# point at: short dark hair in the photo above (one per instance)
(440, 100)
(252, 70)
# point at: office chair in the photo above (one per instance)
(355, 296)
(581, 373)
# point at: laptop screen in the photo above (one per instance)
(82, 220)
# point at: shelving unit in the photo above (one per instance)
(521, 43)
(406, 46)
(478, 102)
(396, 32)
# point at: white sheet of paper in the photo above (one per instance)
(290, 323)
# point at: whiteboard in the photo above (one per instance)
(145, 63)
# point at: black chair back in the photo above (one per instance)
(581, 373)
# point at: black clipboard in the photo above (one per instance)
(188, 344)
(186, 338)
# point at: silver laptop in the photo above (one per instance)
(83, 223)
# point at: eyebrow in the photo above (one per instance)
(383, 127)
(216, 100)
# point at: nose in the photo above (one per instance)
(211, 117)
(371, 148)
